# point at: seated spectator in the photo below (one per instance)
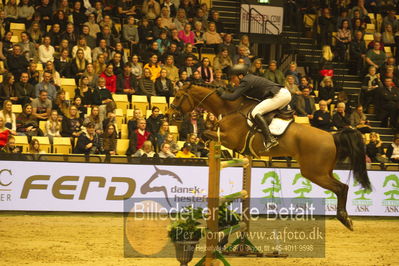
(176, 44)
(24, 91)
(165, 151)
(322, 118)
(110, 119)
(91, 75)
(126, 82)
(153, 49)
(185, 151)
(393, 150)
(46, 51)
(174, 148)
(341, 119)
(137, 67)
(305, 105)
(82, 110)
(16, 61)
(5, 133)
(327, 90)
(102, 49)
(138, 137)
(42, 106)
(88, 143)
(27, 123)
(163, 42)
(35, 33)
(61, 104)
(273, 74)
(8, 116)
(7, 91)
(218, 23)
(34, 147)
(146, 86)
(53, 126)
(306, 82)
(82, 45)
(85, 92)
(218, 81)
(151, 9)
(359, 120)
(196, 78)
(199, 39)
(172, 72)
(212, 37)
(154, 67)
(193, 124)
(242, 54)
(223, 61)
(107, 35)
(56, 78)
(370, 86)
(110, 78)
(72, 124)
(94, 118)
(205, 70)
(78, 65)
(90, 40)
(389, 72)
(117, 62)
(189, 66)
(161, 135)
(146, 151)
(164, 86)
(33, 74)
(374, 149)
(376, 57)
(357, 52)
(377, 38)
(47, 86)
(291, 85)
(183, 80)
(388, 37)
(229, 45)
(109, 140)
(10, 146)
(132, 123)
(292, 70)
(63, 64)
(154, 122)
(94, 28)
(387, 104)
(180, 20)
(130, 34)
(197, 146)
(100, 64)
(211, 122)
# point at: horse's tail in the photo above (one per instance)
(349, 143)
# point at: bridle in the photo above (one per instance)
(184, 95)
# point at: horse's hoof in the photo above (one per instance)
(345, 220)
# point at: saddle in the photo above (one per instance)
(284, 114)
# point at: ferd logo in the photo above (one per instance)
(5, 177)
(63, 191)
(147, 186)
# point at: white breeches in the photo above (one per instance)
(280, 100)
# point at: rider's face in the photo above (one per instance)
(235, 80)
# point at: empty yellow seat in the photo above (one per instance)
(17, 29)
(302, 120)
(174, 130)
(121, 146)
(124, 131)
(140, 102)
(16, 108)
(160, 102)
(22, 141)
(69, 85)
(62, 145)
(121, 102)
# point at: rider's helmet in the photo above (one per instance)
(239, 69)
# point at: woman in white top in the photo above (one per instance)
(8, 116)
(53, 126)
(86, 49)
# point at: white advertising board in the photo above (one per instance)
(271, 13)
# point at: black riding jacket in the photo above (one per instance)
(254, 87)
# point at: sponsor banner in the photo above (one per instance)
(43, 186)
(271, 13)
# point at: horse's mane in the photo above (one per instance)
(201, 84)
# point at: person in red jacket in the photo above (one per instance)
(4, 133)
(110, 78)
(138, 137)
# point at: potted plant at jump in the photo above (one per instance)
(227, 219)
(185, 233)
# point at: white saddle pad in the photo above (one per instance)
(278, 126)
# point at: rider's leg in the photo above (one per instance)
(281, 99)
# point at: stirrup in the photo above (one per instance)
(272, 143)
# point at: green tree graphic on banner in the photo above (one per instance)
(361, 192)
(328, 192)
(276, 185)
(394, 185)
(307, 186)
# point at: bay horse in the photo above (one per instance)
(316, 151)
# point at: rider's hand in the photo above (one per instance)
(219, 91)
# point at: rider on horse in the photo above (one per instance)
(272, 96)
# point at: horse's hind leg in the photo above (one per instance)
(327, 181)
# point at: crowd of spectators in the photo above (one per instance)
(154, 48)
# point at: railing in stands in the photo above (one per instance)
(261, 21)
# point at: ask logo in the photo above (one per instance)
(362, 202)
(306, 186)
(391, 185)
(272, 180)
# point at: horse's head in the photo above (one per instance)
(189, 98)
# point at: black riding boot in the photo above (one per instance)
(268, 139)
